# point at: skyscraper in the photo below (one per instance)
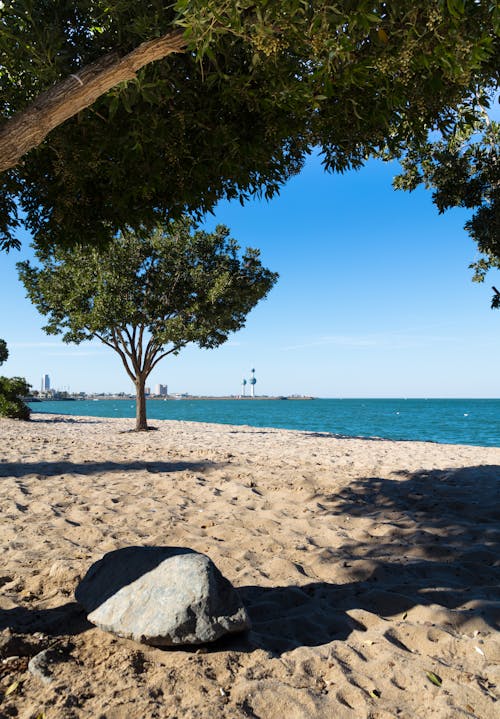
(45, 383)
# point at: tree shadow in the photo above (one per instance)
(37, 416)
(332, 435)
(454, 501)
(440, 527)
(51, 469)
(287, 617)
(433, 539)
(433, 543)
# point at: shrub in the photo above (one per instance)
(11, 404)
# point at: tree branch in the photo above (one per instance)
(124, 353)
(136, 362)
(116, 347)
(139, 345)
(164, 354)
(117, 334)
(152, 348)
(27, 129)
(101, 339)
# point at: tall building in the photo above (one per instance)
(253, 382)
(161, 390)
(45, 383)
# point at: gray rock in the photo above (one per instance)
(161, 596)
(39, 666)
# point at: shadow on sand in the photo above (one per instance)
(67, 619)
(440, 546)
(331, 435)
(63, 419)
(51, 469)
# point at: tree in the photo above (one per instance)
(148, 295)
(166, 122)
(4, 352)
(462, 168)
(11, 391)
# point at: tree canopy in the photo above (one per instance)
(242, 92)
(463, 170)
(148, 295)
(4, 352)
(11, 391)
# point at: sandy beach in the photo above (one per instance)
(370, 570)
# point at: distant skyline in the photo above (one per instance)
(374, 299)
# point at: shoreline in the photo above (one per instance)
(325, 433)
(168, 398)
(365, 564)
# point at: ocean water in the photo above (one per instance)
(455, 421)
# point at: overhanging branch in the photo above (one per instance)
(27, 129)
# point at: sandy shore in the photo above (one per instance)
(367, 566)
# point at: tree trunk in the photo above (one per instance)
(140, 405)
(28, 128)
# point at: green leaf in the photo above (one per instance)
(113, 106)
(382, 35)
(13, 688)
(434, 678)
(456, 7)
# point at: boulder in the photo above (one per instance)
(161, 596)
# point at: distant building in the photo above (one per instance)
(161, 390)
(147, 390)
(253, 382)
(45, 383)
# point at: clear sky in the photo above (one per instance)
(374, 299)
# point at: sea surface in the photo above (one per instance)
(450, 421)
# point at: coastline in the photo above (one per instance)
(365, 565)
(168, 398)
(462, 421)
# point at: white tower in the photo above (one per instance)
(252, 382)
(243, 387)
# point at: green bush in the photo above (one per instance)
(11, 404)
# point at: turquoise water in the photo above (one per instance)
(455, 421)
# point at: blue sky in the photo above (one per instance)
(374, 299)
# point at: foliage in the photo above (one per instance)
(463, 170)
(148, 295)
(11, 404)
(261, 83)
(4, 352)
(11, 389)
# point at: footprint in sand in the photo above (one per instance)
(352, 698)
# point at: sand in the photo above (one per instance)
(369, 568)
